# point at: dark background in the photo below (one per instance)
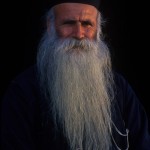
(126, 32)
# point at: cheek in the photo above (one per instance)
(91, 34)
(64, 32)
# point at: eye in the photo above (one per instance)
(86, 23)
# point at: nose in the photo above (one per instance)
(78, 32)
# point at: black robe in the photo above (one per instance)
(26, 125)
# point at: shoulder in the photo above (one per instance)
(120, 80)
(24, 86)
(125, 95)
(122, 86)
(133, 113)
(27, 80)
(20, 111)
(28, 76)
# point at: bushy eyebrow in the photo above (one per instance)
(69, 21)
(73, 21)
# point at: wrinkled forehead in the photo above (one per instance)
(75, 11)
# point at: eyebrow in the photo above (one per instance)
(73, 21)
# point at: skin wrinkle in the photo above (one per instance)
(75, 14)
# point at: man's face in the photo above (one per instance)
(78, 21)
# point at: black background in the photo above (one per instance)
(126, 32)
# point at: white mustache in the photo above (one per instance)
(71, 44)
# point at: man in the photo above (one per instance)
(72, 99)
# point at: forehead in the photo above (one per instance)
(75, 11)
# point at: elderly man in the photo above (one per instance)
(72, 99)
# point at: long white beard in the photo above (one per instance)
(76, 77)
